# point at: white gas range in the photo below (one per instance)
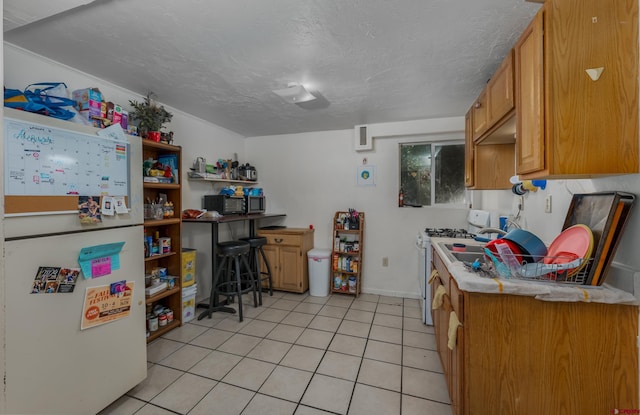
(476, 219)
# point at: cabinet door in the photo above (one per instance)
(500, 95)
(456, 378)
(291, 272)
(469, 151)
(272, 253)
(480, 114)
(592, 124)
(441, 324)
(494, 165)
(530, 145)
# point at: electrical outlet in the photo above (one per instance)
(385, 261)
(547, 204)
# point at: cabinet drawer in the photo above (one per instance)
(281, 239)
(442, 270)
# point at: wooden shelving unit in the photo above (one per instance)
(217, 180)
(167, 227)
(347, 253)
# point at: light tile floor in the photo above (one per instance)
(299, 355)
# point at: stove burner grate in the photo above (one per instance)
(449, 233)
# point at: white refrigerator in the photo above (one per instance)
(52, 365)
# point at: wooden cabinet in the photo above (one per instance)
(469, 151)
(286, 250)
(347, 253)
(165, 227)
(479, 120)
(487, 166)
(570, 124)
(451, 359)
(492, 113)
(518, 355)
(500, 91)
(489, 141)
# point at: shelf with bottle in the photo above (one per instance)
(208, 177)
(347, 252)
(162, 234)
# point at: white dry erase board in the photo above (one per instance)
(55, 165)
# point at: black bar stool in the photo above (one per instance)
(229, 280)
(256, 244)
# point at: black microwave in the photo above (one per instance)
(255, 204)
(224, 205)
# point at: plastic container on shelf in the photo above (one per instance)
(189, 303)
(319, 272)
(188, 267)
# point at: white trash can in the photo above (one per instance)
(319, 272)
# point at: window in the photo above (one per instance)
(432, 174)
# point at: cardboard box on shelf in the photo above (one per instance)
(88, 101)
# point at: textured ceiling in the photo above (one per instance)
(369, 61)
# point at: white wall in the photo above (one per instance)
(310, 176)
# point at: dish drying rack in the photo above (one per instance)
(564, 269)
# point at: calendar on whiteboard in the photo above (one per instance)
(46, 161)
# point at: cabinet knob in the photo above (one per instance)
(278, 240)
(477, 105)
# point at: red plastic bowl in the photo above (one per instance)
(491, 246)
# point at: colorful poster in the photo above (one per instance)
(366, 175)
(101, 306)
(51, 280)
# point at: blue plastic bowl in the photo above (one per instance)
(533, 249)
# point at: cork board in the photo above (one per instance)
(42, 204)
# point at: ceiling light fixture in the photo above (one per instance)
(295, 93)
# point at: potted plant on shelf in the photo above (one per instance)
(150, 115)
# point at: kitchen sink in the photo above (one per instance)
(468, 256)
(468, 248)
(471, 253)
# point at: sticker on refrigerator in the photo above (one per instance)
(120, 204)
(101, 306)
(89, 210)
(100, 267)
(99, 260)
(108, 208)
(51, 280)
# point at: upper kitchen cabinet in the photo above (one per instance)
(479, 115)
(489, 133)
(493, 111)
(577, 90)
(469, 151)
(487, 166)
